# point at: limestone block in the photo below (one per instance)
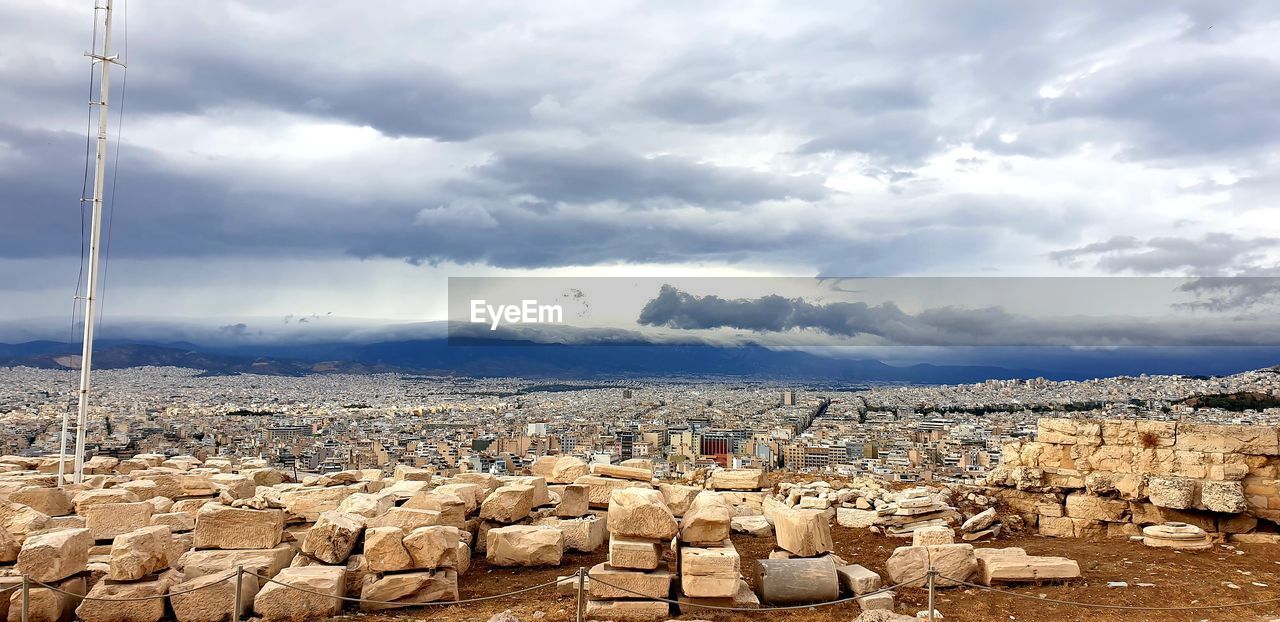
(123, 606)
(50, 501)
(471, 494)
(333, 537)
(710, 572)
(409, 587)
(856, 519)
(609, 582)
(508, 504)
(1086, 506)
(584, 534)
(1238, 439)
(368, 505)
(621, 472)
(47, 605)
(600, 488)
(566, 470)
(634, 553)
(452, 508)
(407, 519)
(224, 527)
(1223, 497)
(575, 500)
(627, 610)
(524, 545)
(211, 598)
(952, 561)
(20, 519)
(707, 520)
(433, 547)
(929, 536)
(87, 498)
(737, 479)
(278, 602)
(640, 513)
(266, 562)
(857, 579)
(55, 555)
(803, 532)
(385, 551)
(755, 526)
(678, 497)
(139, 553)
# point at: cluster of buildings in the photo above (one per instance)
(330, 422)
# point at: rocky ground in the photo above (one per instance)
(1179, 579)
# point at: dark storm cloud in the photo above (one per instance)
(608, 174)
(1214, 253)
(778, 317)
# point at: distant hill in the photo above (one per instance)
(500, 358)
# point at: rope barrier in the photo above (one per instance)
(840, 601)
(1059, 601)
(132, 599)
(442, 603)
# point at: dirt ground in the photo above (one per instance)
(1181, 579)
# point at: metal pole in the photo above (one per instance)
(235, 613)
(99, 175)
(26, 599)
(582, 576)
(932, 573)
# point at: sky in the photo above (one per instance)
(337, 160)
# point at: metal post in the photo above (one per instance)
(235, 613)
(582, 580)
(932, 574)
(26, 599)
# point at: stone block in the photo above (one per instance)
(1171, 492)
(266, 562)
(608, 582)
(105, 521)
(857, 579)
(126, 601)
(803, 532)
(640, 513)
(325, 585)
(55, 555)
(524, 545)
(575, 500)
(929, 536)
(600, 488)
(737, 479)
(634, 553)
(333, 537)
(409, 588)
(707, 519)
(224, 527)
(627, 610)
(508, 504)
(211, 598)
(139, 553)
(909, 564)
(47, 605)
(710, 572)
(621, 472)
(1225, 497)
(407, 519)
(433, 547)
(566, 470)
(1089, 507)
(385, 551)
(584, 535)
(678, 497)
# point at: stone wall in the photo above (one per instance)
(1083, 477)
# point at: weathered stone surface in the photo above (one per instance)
(1231, 439)
(508, 504)
(409, 587)
(1176, 536)
(211, 598)
(50, 501)
(55, 555)
(584, 534)
(737, 479)
(541, 495)
(575, 500)
(20, 519)
(1013, 565)
(278, 602)
(266, 562)
(634, 553)
(86, 498)
(707, 519)
(609, 582)
(333, 537)
(1086, 506)
(710, 572)
(139, 553)
(567, 469)
(600, 488)
(1224, 497)
(406, 473)
(678, 497)
(930, 536)
(641, 513)
(980, 521)
(309, 502)
(407, 519)
(175, 521)
(9, 547)
(909, 564)
(108, 520)
(433, 547)
(385, 550)
(745, 598)
(121, 607)
(1171, 492)
(224, 527)
(471, 494)
(857, 579)
(524, 545)
(47, 605)
(621, 472)
(368, 504)
(856, 519)
(452, 508)
(627, 610)
(803, 532)
(487, 483)
(755, 526)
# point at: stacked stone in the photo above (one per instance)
(802, 569)
(1013, 565)
(627, 586)
(1179, 536)
(507, 511)
(710, 568)
(981, 526)
(59, 558)
(137, 568)
(913, 509)
(1113, 477)
(744, 490)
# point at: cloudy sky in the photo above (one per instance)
(328, 159)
